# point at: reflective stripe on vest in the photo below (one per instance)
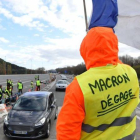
(117, 122)
(129, 137)
(111, 94)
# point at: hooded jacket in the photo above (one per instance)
(99, 48)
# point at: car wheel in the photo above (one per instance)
(56, 114)
(56, 89)
(48, 130)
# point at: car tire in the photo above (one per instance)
(56, 89)
(48, 130)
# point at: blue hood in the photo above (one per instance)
(105, 13)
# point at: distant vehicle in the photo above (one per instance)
(63, 77)
(61, 84)
(31, 116)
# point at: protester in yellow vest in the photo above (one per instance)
(8, 97)
(8, 84)
(20, 87)
(32, 85)
(100, 103)
(11, 84)
(10, 90)
(38, 83)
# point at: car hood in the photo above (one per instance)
(26, 117)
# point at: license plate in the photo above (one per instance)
(20, 132)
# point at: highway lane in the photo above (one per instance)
(61, 93)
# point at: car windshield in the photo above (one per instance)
(30, 103)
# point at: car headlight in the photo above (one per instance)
(41, 122)
(6, 120)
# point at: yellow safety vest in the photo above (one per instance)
(111, 95)
(38, 82)
(32, 84)
(0, 92)
(19, 85)
(5, 96)
(7, 91)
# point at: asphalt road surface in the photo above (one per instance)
(60, 97)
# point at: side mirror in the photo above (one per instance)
(52, 106)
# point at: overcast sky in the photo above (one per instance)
(45, 33)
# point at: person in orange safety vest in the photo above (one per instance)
(100, 103)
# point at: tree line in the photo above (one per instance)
(8, 68)
(76, 70)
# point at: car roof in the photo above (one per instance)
(37, 93)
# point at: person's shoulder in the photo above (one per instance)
(125, 66)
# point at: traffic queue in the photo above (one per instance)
(7, 96)
(32, 116)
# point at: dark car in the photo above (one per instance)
(31, 116)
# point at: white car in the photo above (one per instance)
(64, 77)
(61, 84)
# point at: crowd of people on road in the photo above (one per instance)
(7, 96)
